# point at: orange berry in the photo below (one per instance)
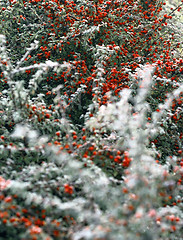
(47, 115)
(58, 134)
(84, 138)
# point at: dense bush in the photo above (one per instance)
(91, 120)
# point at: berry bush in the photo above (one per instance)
(91, 120)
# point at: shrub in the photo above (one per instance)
(91, 120)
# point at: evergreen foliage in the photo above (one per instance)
(91, 120)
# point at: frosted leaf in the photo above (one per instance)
(20, 131)
(18, 186)
(51, 64)
(2, 38)
(102, 181)
(131, 181)
(32, 134)
(16, 116)
(84, 234)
